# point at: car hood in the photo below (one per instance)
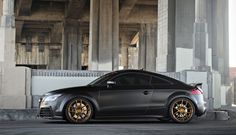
(71, 90)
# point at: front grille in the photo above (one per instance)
(46, 112)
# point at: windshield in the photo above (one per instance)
(101, 79)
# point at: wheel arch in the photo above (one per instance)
(181, 94)
(91, 100)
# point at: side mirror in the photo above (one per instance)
(110, 84)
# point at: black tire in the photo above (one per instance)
(78, 110)
(182, 110)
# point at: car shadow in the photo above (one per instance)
(112, 122)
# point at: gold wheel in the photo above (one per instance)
(182, 110)
(78, 110)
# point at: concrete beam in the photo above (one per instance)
(54, 0)
(43, 15)
(135, 38)
(147, 2)
(129, 27)
(141, 14)
(126, 8)
(23, 7)
(75, 9)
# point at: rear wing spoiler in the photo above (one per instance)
(196, 85)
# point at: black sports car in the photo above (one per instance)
(126, 93)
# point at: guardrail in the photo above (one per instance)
(68, 73)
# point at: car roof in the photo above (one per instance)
(140, 71)
(149, 73)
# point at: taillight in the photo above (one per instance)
(196, 92)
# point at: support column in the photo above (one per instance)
(7, 42)
(234, 86)
(185, 18)
(165, 61)
(72, 45)
(142, 47)
(93, 35)
(200, 37)
(14, 81)
(125, 42)
(220, 43)
(147, 47)
(104, 35)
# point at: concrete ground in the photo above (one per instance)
(127, 127)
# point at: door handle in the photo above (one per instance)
(146, 92)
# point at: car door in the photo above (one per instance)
(162, 89)
(130, 95)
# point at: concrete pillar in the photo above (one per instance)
(7, 43)
(142, 47)
(234, 86)
(185, 17)
(165, 61)
(147, 47)
(1, 6)
(200, 37)
(125, 42)
(220, 43)
(104, 35)
(93, 35)
(14, 84)
(85, 51)
(72, 45)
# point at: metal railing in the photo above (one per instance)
(68, 73)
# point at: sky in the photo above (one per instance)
(232, 34)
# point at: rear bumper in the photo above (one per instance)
(201, 109)
(200, 104)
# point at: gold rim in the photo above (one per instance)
(79, 111)
(182, 110)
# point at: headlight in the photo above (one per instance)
(52, 97)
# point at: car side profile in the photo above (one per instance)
(125, 93)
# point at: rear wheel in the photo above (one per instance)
(182, 110)
(78, 110)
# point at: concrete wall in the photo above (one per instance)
(184, 58)
(15, 91)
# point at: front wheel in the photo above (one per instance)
(78, 110)
(182, 110)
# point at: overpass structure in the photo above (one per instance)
(184, 36)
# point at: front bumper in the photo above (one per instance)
(49, 110)
(46, 112)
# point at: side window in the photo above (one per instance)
(159, 81)
(131, 79)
